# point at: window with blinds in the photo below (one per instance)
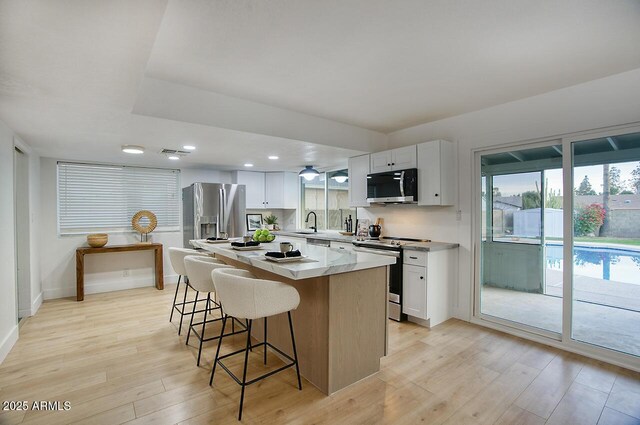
(94, 197)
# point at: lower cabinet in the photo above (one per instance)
(414, 291)
(428, 279)
(347, 246)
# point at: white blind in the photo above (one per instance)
(93, 197)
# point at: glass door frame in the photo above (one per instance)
(477, 314)
(565, 342)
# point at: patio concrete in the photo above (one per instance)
(602, 325)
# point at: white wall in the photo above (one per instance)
(601, 103)
(8, 313)
(188, 176)
(103, 272)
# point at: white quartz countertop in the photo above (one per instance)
(320, 261)
(430, 246)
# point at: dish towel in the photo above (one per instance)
(244, 244)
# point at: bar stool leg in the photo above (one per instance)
(193, 313)
(204, 324)
(265, 340)
(175, 297)
(215, 360)
(244, 373)
(295, 353)
(184, 300)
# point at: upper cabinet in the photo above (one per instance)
(436, 164)
(436, 173)
(358, 170)
(395, 159)
(278, 190)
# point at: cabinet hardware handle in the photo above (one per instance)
(393, 163)
(413, 258)
(436, 194)
(421, 277)
(389, 164)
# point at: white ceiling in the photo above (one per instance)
(75, 76)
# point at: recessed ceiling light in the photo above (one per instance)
(189, 147)
(273, 157)
(248, 164)
(134, 149)
(173, 157)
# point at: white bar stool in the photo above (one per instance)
(176, 256)
(199, 270)
(242, 295)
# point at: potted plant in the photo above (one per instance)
(271, 222)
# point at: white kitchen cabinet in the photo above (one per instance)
(346, 246)
(281, 190)
(394, 159)
(254, 183)
(414, 291)
(428, 279)
(437, 176)
(358, 170)
(277, 190)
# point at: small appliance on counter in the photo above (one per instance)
(375, 229)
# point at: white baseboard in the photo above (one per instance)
(107, 286)
(7, 343)
(35, 305)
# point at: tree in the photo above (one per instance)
(606, 190)
(530, 199)
(585, 186)
(635, 179)
(615, 184)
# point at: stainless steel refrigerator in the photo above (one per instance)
(213, 210)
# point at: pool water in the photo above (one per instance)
(614, 264)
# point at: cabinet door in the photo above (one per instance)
(358, 170)
(403, 158)
(429, 173)
(255, 188)
(274, 190)
(414, 291)
(381, 162)
(291, 191)
(344, 246)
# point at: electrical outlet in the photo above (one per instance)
(125, 273)
(459, 215)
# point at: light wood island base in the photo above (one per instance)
(340, 325)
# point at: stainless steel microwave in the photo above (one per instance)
(393, 187)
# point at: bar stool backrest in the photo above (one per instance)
(199, 271)
(242, 295)
(176, 256)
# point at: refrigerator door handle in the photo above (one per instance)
(222, 222)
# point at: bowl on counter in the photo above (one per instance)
(97, 240)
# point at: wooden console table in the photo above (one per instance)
(81, 252)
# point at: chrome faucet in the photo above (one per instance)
(315, 221)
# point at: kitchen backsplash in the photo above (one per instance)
(409, 221)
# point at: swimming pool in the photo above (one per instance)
(616, 264)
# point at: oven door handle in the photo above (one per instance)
(377, 251)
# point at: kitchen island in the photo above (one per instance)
(341, 322)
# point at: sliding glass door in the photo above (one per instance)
(576, 200)
(521, 246)
(606, 243)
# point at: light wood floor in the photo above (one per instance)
(116, 359)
